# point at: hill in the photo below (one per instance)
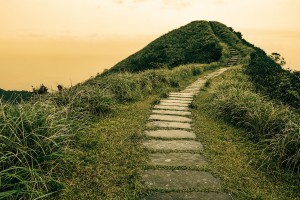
(193, 43)
(14, 95)
(196, 42)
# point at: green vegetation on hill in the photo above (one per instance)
(15, 96)
(275, 126)
(42, 139)
(271, 79)
(234, 123)
(193, 43)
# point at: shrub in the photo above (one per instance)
(269, 78)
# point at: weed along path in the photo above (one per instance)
(176, 168)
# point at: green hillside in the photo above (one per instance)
(193, 43)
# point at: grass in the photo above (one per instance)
(235, 159)
(274, 125)
(110, 156)
(34, 144)
(92, 127)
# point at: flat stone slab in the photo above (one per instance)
(169, 118)
(172, 112)
(175, 101)
(181, 98)
(176, 134)
(189, 196)
(177, 159)
(165, 124)
(171, 107)
(179, 179)
(173, 104)
(173, 145)
(182, 95)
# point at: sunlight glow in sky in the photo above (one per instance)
(82, 37)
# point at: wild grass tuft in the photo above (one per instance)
(34, 140)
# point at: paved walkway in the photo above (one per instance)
(176, 167)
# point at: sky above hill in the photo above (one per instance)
(101, 18)
(87, 36)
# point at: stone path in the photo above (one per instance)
(175, 169)
(234, 58)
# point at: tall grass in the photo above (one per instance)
(36, 137)
(34, 140)
(275, 126)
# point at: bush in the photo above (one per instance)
(269, 78)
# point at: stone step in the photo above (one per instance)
(180, 93)
(181, 98)
(165, 124)
(169, 118)
(194, 91)
(180, 145)
(173, 104)
(177, 159)
(179, 180)
(189, 196)
(174, 134)
(188, 95)
(183, 108)
(175, 101)
(172, 112)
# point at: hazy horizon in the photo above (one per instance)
(67, 41)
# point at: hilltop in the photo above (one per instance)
(196, 42)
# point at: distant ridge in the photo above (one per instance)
(14, 96)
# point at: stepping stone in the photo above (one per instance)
(172, 112)
(177, 134)
(180, 93)
(189, 196)
(171, 107)
(175, 101)
(173, 104)
(181, 98)
(164, 124)
(180, 145)
(179, 179)
(169, 118)
(189, 95)
(177, 159)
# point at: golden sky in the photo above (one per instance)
(67, 41)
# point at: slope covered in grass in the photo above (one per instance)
(42, 139)
(251, 143)
(192, 43)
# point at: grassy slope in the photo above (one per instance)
(192, 43)
(110, 157)
(235, 159)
